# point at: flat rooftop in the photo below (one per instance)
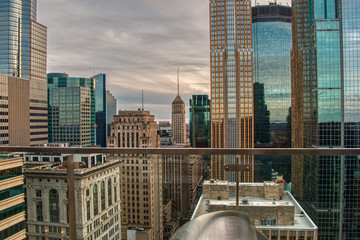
(301, 219)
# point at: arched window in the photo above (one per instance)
(96, 200)
(109, 192)
(102, 189)
(54, 205)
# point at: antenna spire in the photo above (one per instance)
(178, 84)
(142, 100)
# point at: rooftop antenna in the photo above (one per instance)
(178, 84)
(142, 100)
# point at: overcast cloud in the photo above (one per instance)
(137, 43)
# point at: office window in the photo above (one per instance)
(95, 200)
(54, 205)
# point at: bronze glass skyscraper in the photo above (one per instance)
(231, 61)
(326, 113)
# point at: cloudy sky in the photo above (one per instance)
(138, 43)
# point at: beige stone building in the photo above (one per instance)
(23, 106)
(170, 224)
(97, 200)
(176, 184)
(141, 176)
(196, 176)
(272, 211)
(178, 127)
(133, 129)
(182, 176)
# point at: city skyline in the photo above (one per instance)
(135, 44)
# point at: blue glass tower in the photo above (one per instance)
(100, 108)
(326, 113)
(200, 121)
(15, 35)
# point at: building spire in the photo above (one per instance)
(178, 84)
(142, 100)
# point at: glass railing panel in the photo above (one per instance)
(286, 194)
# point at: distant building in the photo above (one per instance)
(111, 108)
(271, 34)
(21, 123)
(171, 224)
(71, 110)
(182, 176)
(272, 211)
(196, 177)
(164, 131)
(200, 134)
(178, 128)
(261, 115)
(97, 201)
(141, 176)
(100, 109)
(12, 206)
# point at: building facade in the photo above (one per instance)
(97, 201)
(196, 178)
(200, 121)
(325, 113)
(182, 176)
(12, 205)
(178, 128)
(231, 74)
(176, 183)
(21, 123)
(100, 109)
(71, 110)
(141, 176)
(111, 107)
(271, 31)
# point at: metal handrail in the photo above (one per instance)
(185, 151)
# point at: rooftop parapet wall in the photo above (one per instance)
(215, 189)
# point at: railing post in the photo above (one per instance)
(237, 168)
(71, 196)
(237, 184)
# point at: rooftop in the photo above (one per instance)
(301, 219)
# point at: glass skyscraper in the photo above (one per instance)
(23, 47)
(271, 30)
(200, 121)
(100, 108)
(326, 113)
(18, 32)
(111, 108)
(71, 109)
(231, 77)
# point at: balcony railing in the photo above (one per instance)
(325, 188)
